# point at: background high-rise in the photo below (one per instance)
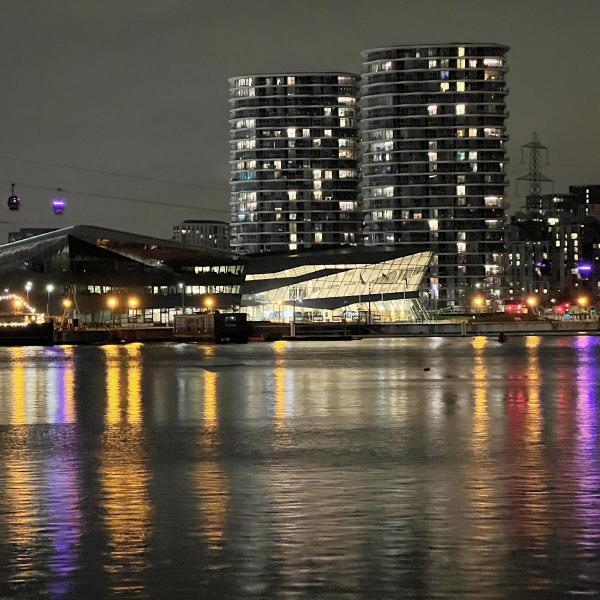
(433, 157)
(294, 161)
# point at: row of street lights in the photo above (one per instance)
(532, 301)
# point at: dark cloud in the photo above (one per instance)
(141, 86)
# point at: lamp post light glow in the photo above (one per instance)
(531, 301)
(49, 289)
(28, 287)
(478, 302)
(133, 304)
(582, 301)
(181, 286)
(112, 302)
(67, 303)
(209, 302)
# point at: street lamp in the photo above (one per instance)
(49, 289)
(28, 287)
(112, 302)
(182, 288)
(67, 303)
(18, 304)
(209, 303)
(133, 304)
(478, 302)
(531, 302)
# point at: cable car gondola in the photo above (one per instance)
(58, 203)
(14, 202)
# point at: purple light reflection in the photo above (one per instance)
(586, 468)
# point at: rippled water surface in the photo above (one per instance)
(417, 468)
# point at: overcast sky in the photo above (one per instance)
(140, 87)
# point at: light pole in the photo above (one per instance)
(133, 304)
(112, 303)
(49, 289)
(28, 287)
(478, 303)
(531, 302)
(182, 288)
(369, 306)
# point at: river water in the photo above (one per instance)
(396, 468)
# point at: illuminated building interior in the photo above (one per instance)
(102, 275)
(333, 285)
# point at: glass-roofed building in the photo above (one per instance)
(336, 284)
(103, 272)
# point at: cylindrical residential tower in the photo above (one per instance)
(294, 161)
(433, 158)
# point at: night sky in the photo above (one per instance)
(140, 87)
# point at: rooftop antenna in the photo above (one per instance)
(538, 158)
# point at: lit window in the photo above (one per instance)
(472, 132)
(432, 109)
(327, 111)
(291, 81)
(444, 86)
(492, 62)
(473, 155)
(460, 133)
(492, 132)
(328, 175)
(461, 51)
(433, 156)
(291, 132)
(347, 205)
(460, 109)
(472, 63)
(460, 86)
(292, 194)
(318, 237)
(327, 133)
(432, 63)
(461, 190)
(317, 142)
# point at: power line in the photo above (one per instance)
(111, 173)
(116, 197)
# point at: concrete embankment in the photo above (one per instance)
(112, 336)
(274, 331)
(265, 331)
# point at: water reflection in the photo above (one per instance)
(381, 468)
(123, 470)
